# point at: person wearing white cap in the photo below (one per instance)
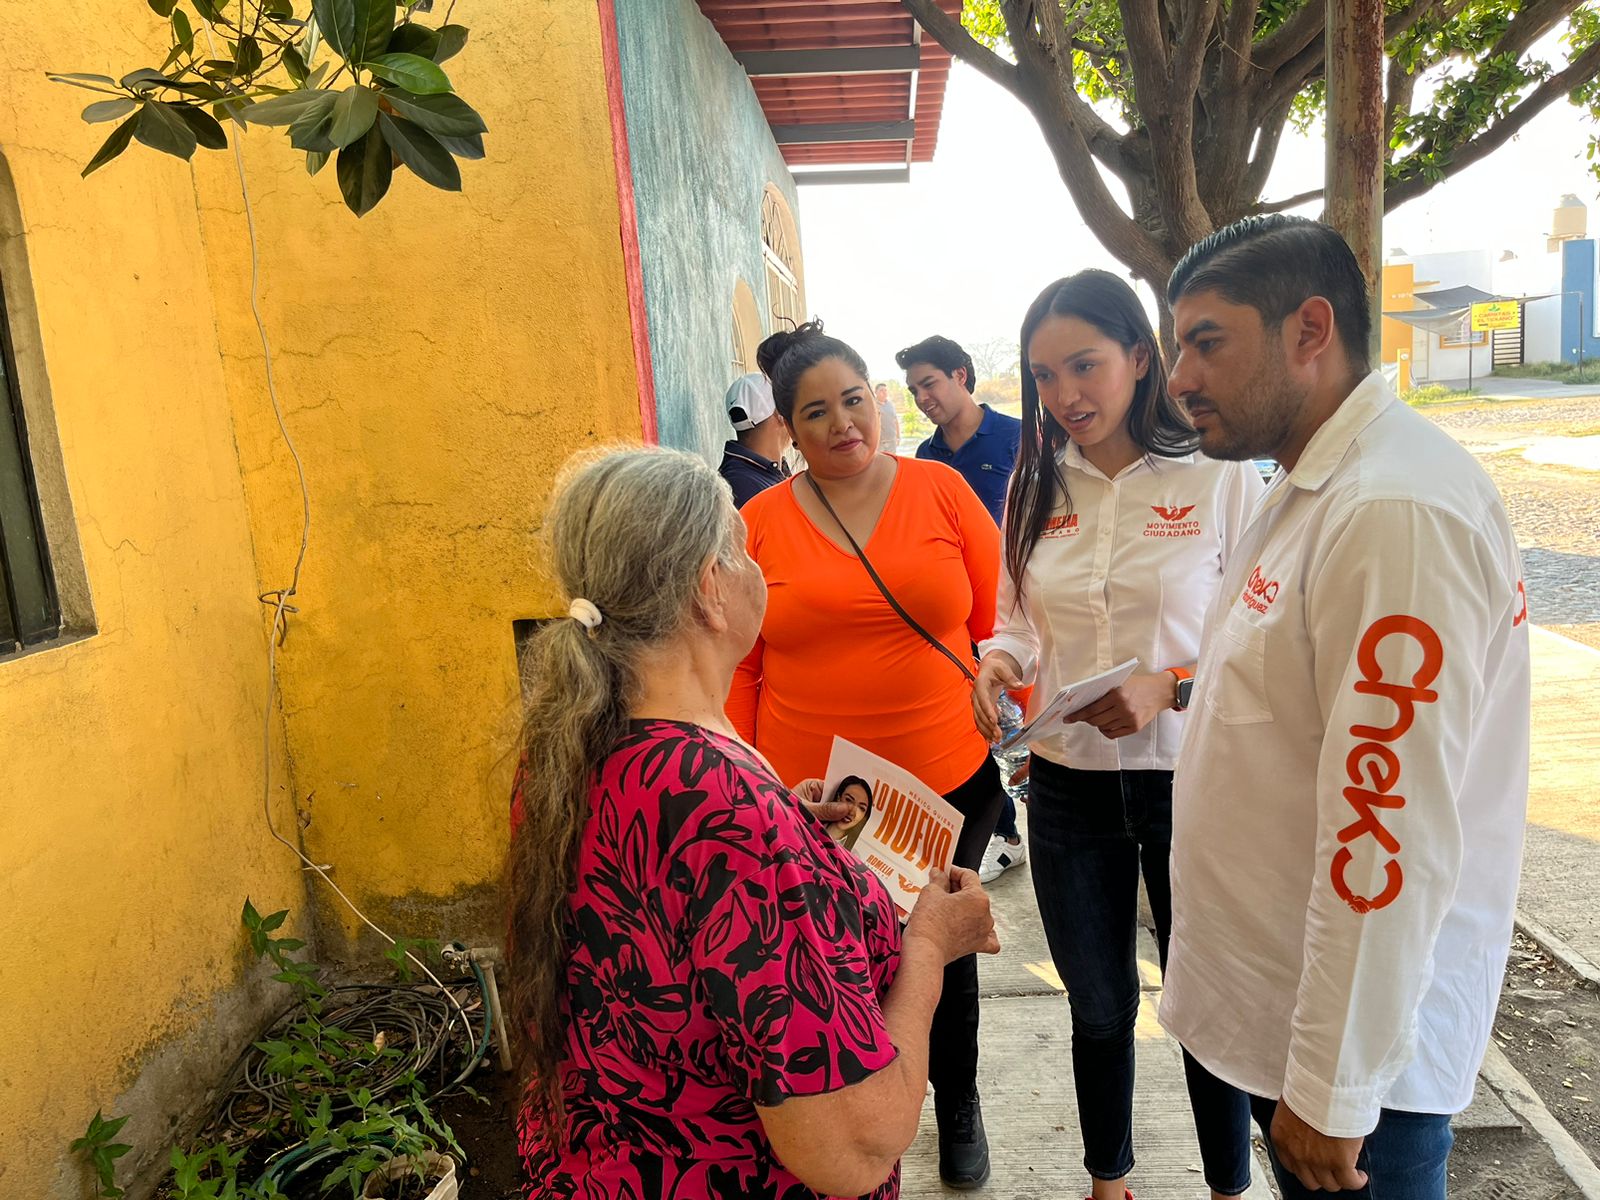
(753, 461)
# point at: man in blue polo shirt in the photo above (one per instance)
(971, 437)
(982, 445)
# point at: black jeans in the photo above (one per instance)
(953, 1040)
(1090, 835)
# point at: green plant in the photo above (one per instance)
(255, 62)
(96, 1145)
(335, 1124)
(404, 949)
(1434, 393)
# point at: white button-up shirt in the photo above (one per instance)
(1350, 796)
(1124, 569)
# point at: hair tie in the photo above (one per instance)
(585, 613)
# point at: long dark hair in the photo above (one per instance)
(790, 353)
(1157, 424)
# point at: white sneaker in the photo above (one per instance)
(1000, 857)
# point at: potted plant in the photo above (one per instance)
(426, 1176)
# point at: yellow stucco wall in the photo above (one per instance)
(437, 360)
(130, 760)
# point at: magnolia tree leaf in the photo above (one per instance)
(295, 64)
(313, 130)
(315, 161)
(464, 147)
(162, 8)
(421, 151)
(444, 115)
(285, 110)
(108, 110)
(353, 114)
(416, 74)
(452, 40)
(356, 30)
(411, 38)
(365, 170)
(160, 128)
(207, 130)
(114, 145)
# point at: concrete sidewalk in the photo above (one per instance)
(1025, 1076)
(1507, 387)
(1561, 865)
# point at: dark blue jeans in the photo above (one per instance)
(1090, 836)
(1006, 825)
(1405, 1157)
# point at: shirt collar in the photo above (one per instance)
(739, 450)
(985, 426)
(1329, 444)
(1071, 456)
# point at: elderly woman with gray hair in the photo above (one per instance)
(714, 998)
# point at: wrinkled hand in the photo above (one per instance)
(998, 672)
(1132, 706)
(1322, 1163)
(809, 793)
(953, 912)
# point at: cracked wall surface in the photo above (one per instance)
(437, 362)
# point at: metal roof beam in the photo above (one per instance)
(844, 131)
(846, 61)
(894, 175)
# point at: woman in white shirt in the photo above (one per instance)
(1116, 535)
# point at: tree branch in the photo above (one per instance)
(1533, 20)
(1397, 92)
(1291, 202)
(1238, 34)
(1579, 71)
(947, 31)
(1293, 36)
(1255, 175)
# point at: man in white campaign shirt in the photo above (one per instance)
(1352, 786)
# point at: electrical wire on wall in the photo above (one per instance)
(279, 599)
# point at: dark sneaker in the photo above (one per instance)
(963, 1146)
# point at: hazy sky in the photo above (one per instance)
(975, 235)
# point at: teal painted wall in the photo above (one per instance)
(702, 158)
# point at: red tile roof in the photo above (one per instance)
(748, 26)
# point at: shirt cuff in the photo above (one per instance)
(1335, 1110)
(1027, 655)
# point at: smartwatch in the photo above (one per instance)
(1185, 680)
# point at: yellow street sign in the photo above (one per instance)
(1496, 314)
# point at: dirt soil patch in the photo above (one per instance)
(487, 1131)
(1549, 1027)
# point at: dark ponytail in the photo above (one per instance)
(790, 353)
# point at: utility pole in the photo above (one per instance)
(1353, 187)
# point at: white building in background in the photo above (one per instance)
(1427, 299)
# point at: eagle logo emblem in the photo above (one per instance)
(1172, 514)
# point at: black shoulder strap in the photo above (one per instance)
(887, 594)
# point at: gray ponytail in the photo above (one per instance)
(630, 531)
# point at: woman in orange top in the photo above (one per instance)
(834, 657)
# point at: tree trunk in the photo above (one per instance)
(1354, 172)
